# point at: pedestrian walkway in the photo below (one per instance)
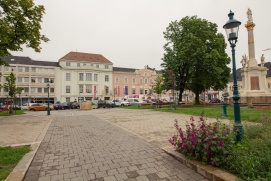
(85, 147)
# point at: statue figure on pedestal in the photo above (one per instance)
(249, 15)
(244, 61)
(262, 60)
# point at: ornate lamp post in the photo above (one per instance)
(232, 27)
(48, 108)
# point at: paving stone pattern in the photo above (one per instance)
(88, 148)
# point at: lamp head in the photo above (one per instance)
(232, 28)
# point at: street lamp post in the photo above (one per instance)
(232, 27)
(48, 108)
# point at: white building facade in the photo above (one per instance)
(84, 77)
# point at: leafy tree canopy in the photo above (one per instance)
(195, 55)
(20, 25)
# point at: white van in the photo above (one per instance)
(134, 101)
(25, 106)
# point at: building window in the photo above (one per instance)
(33, 89)
(150, 81)
(33, 80)
(46, 80)
(133, 91)
(96, 77)
(146, 74)
(52, 90)
(40, 80)
(52, 80)
(26, 79)
(39, 90)
(146, 81)
(97, 65)
(33, 69)
(68, 64)
(46, 70)
(68, 89)
(20, 69)
(146, 91)
(45, 90)
(117, 80)
(6, 69)
(20, 79)
(81, 76)
(125, 80)
(68, 76)
(106, 66)
(88, 88)
(52, 71)
(141, 81)
(26, 69)
(84, 64)
(141, 91)
(26, 89)
(81, 88)
(133, 80)
(88, 76)
(106, 78)
(150, 91)
(68, 99)
(39, 70)
(78, 64)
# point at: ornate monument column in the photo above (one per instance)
(251, 49)
(254, 84)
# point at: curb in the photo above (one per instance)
(209, 172)
(21, 168)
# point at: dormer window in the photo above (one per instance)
(68, 64)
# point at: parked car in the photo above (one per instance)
(65, 105)
(105, 104)
(58, 106)
(74, 105)
(120, 103)
(147, 102)
(26, 105)
(134, 101)
(215, 100)
(39, 107)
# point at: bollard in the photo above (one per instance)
(224, 106)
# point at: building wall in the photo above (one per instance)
(34, 83)
(74, 69)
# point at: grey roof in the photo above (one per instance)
(238, 72)
(27, 61)
(121, 69)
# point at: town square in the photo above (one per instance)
(107, 91)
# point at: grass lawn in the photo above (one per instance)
(215, 111)
(9, 157)
(17, 112)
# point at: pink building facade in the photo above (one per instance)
(134, 83)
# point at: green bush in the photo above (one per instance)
(208, 143)
(251, 159)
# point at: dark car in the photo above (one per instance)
(65, 105)
(58, 106)
(104, 104)
(74, 105)
(215, 100)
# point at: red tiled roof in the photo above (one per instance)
(89, 57)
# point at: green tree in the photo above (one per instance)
(20, 25)
(158, 87)
(195, 53)
(10, 87)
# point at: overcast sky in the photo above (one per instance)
(130, 32)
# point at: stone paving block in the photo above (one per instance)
(162, 174)
(100, 174)
(57, 177)
(112, 172)
(142, 178)
(69, 175)
(46, 178)
(132, 174)
(142, 172)
(110, 178)
(64, 170)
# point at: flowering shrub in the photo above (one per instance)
(208, 143)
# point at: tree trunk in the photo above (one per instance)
(197, 99)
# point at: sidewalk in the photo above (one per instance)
(84, 147)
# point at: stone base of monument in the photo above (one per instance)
(253, 101)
